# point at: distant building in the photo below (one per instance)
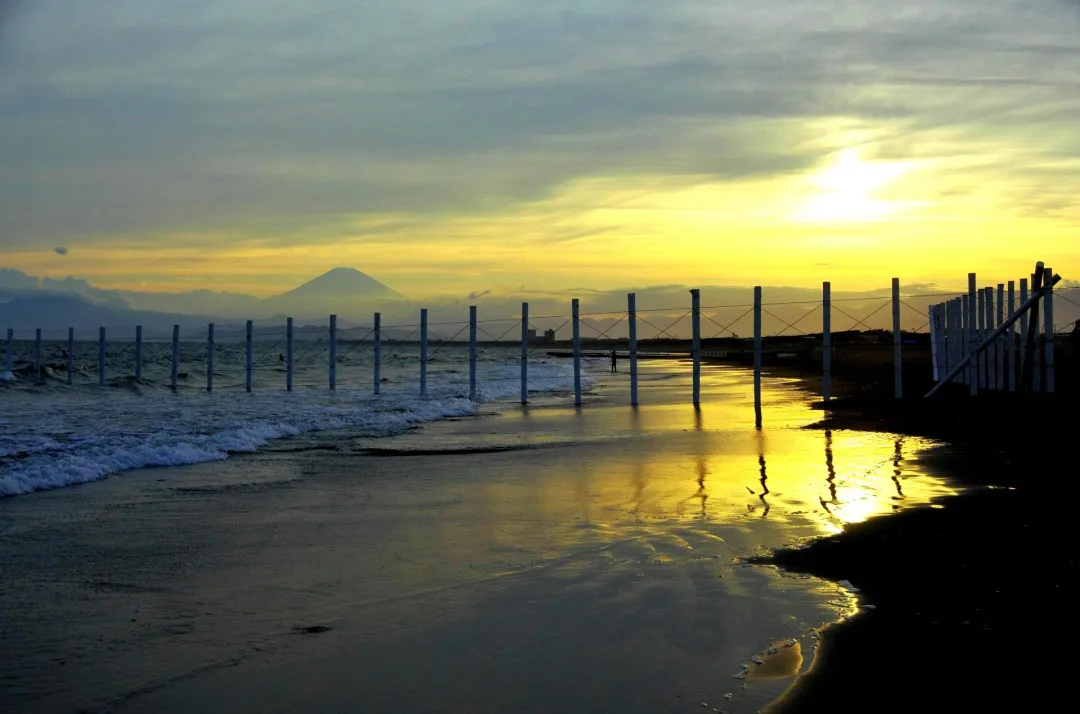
(549, 335)
(532, 335)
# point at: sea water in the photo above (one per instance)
(54, 434)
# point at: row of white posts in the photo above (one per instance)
(376, 334)
(974, 343)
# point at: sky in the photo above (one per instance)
(457, 146)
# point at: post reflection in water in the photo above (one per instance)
(898, 458)
(764, 477)
(830, 471)
(701, 464)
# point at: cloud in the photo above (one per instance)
(60, 250)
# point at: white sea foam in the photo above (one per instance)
(64, 436)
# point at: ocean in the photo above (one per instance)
(55, 435)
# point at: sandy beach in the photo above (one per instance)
(535, 559)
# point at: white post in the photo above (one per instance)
(991, 355)
(288, 353)
(175, 356)
(1036, 363)
(981, 332)
(937, 348)
(9, 356)
(972, 342)
(757, 349)
(472, 352)
(138, 353)
(248, 356)
(826, 341)
(423, 352)
(1010, 339)
(71, 355)
(101, 357)
(631, 309)
(898, 377)
(210, 357)
(695, 327)
(377, 358)
(524, 353)
(577, 351)
(333, 352)
(1022, 357)
(1048, 327)
(999, 351)
(37, 357)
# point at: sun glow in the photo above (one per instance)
(846, 190)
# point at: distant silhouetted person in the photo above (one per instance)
(614, 362)
(280, 357)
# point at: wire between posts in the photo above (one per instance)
(727, 327)
(791, 325)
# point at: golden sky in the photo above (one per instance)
(469, 145)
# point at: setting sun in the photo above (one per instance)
(847, 190)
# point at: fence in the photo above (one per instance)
(953, 328)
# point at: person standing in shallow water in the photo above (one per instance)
(614, 362)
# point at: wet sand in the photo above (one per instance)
(535, 560)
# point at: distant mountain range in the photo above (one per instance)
(27, 302)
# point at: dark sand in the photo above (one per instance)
(541, 560)
(975, 603)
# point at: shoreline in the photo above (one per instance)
(968, 590)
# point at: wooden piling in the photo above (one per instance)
(248, 366)
(377, 353)
(210, 357)
(288, 354)
(999, 346)
(898, 377)
(524, 353)
(1048, 329)
(174, 372)
(1010, 339)
(423, 351)
(695, 349)
(631, 310)
(333, 352)
(826, 341)
(576, 320)
(472, 352)
(101, 357)
(971, 333)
